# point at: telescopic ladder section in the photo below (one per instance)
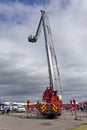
(53, 70)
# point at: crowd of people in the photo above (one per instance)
(82, 107)
(5, 109)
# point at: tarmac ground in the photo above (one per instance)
(19, 121)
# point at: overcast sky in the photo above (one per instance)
(23, 66)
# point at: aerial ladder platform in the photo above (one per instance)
(51, 105)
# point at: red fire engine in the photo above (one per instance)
(52, 104)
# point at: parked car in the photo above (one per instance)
(20, 109)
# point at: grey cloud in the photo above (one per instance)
(23, 66)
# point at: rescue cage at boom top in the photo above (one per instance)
(52, 103)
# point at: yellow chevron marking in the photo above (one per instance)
(43, 110)
(54, 107)
(44, 105)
